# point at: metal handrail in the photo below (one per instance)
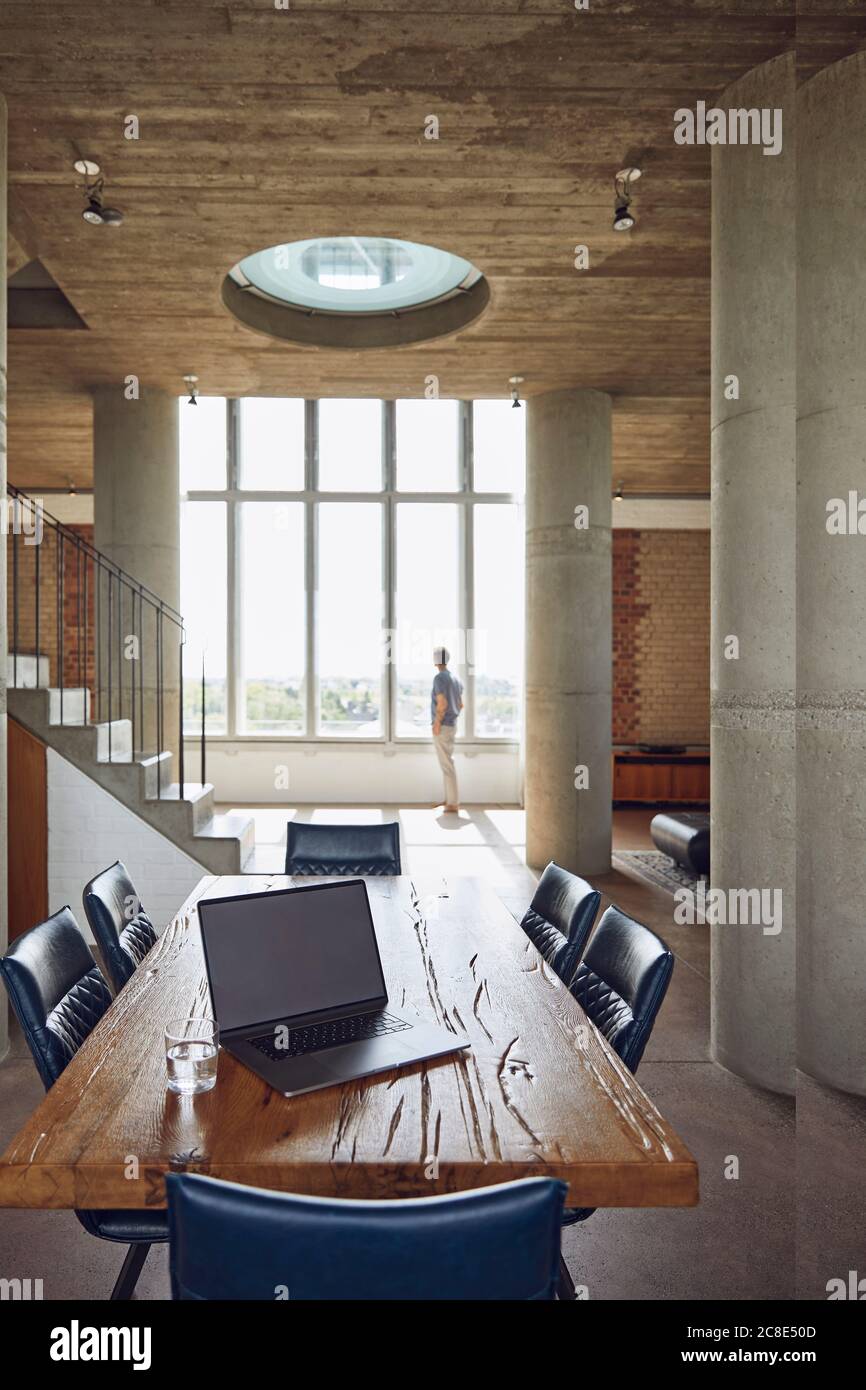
(110, 586)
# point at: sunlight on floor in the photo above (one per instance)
(486, 842)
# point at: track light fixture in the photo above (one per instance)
(192, 387)
(95, 212)
(623, 217)
(515, 382)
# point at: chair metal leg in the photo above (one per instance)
(129, 1272)
(565, 1290)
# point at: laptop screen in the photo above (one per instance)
(277, 955)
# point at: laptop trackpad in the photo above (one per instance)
(362, 1058)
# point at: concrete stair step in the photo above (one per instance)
(150, 762)
(199, 798)
(114, 741)
(230, 825)
(222, 843)
(70, 705)
(27, 671)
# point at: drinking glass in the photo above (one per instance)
(191, 1047)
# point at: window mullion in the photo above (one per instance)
(311, 562)
(467, 585)
(389, 676)
(234, 616)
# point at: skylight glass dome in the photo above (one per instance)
(350, 275)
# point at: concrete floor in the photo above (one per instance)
(738, 1244)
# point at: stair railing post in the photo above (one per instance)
(61, 639)
(39, 536)
(158, 619)
(15, 599)
(119, 646)
(141, 666)
(78, 613)
(86, 634)
(180, 707)
(202, 718)
(110, 630)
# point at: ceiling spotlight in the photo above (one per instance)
(514, 382)
(96, 213)
(623, 218)
(71, 488)
(192, 387)
(93, 212)
(617, 496)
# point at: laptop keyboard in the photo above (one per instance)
(318, 1037)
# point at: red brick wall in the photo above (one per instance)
(73, 613)
(661, 636)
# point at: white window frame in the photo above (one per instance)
(464, 498)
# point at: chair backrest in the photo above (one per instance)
(621, 982)
(232, 1242)
(560, 917)
(342, 849)
(120, 924)
(56, 989)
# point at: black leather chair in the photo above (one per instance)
(241, 1243)
(560, 917)
(59, 994)
(342, 850)
(620, 985)
(120, 924)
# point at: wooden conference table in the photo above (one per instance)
(540, 1092)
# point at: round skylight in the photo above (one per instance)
(354, 275)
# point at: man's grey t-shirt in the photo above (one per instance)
(449, 686)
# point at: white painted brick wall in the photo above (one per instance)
(88, 830)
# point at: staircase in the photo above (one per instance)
(94, 669)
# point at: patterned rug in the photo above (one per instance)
(655, 868)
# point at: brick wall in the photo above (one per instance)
(661, 636)
(78, 644)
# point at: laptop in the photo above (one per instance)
(298, 991)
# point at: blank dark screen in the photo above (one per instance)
(283, 954)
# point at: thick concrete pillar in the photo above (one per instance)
(4, 905)
(831, 634)
(568, 631)
(753, 791)
(137, 525)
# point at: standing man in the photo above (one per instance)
(446, 702)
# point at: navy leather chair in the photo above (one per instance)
(342, 850)
(231, 1242)
(120, 924)
(560, 917)
(620, 984)
(59, 994)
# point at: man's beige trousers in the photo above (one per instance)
(444, 745)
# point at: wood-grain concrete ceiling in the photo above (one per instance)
(259, 125)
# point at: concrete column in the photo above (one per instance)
(753, 786)
(568, 631)
(4, 913)
(137, 525)
(831, 632)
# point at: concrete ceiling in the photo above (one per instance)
(260, 125)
